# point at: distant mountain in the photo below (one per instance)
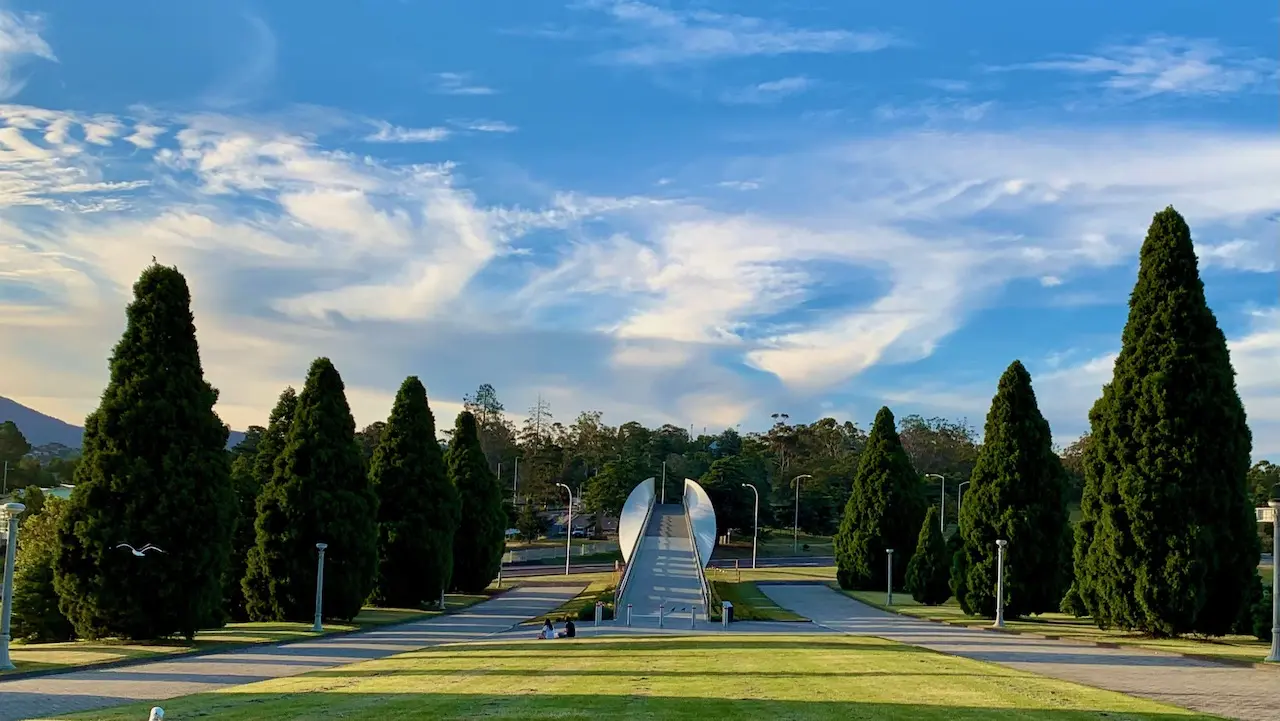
(41, 430)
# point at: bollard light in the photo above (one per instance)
(888, 596)
(628, 615)
(662, 607)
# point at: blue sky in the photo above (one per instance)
(690, 212)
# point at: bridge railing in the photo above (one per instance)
(631, 562)
(699, 561)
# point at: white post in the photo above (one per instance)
(11, 511)
(568, 530)
(599, 612)
(1274, 656)
(662, 608)
(628, 615)
(1000, 583)
(664, 482)
(318, 626)
(755, 534)
(693, 616)
(888, 596)
(515, 479)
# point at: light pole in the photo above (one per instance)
(756, 524)
(795, 530)
(888, 595)
(1274, 503)
(318, 626)
(11, 511)
(664, 482)
(942, 517)
(960, 499)
(5, 489)
(515, 476)
(568, 531)
(1000, 544)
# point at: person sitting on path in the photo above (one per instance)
(570, 630)
(548, 631)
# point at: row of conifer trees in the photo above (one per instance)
(239, 530)
(1167, 542)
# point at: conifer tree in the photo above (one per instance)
(481, 538)
(885, 510)
(36, 616)
(154, 470)
(318, 492)
(1017, 493)
(1167, 543)
(929, 571)
(417, 505)
(254, 603)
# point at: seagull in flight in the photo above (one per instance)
(140, 552)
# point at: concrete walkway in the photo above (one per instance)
(154, 681)
(1246, 693)
(665, 572)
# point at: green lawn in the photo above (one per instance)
(1069, 628)
(779, 573)
(777, 544)
(749, 603)
(799, 678)
(47, 656)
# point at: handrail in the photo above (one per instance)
(635, 554)
(697, 557)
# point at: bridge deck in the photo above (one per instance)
(665, 573)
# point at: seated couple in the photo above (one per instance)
(548, 631)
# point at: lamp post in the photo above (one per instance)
(515, 478)
(888, 595)
(755, 525)
(318, 626)
(960, 498)
(795, 530)
(1274, 503)
(568, 531)
(664, 482)
(11, 511)
(942, 517)
(1000, 545)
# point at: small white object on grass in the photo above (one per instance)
(157, 714)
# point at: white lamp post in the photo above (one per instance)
(568, 531)
(942, 517)
(888, 595)
(960, 498)
(318, 626)
(795, 530)
(11, 511)
(664, 482)
(1000, 544)
(755, 534)
(1274, 656)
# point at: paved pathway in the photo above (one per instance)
(1234, 692)
(665, 573)
(157, 680)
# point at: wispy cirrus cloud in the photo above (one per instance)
(388, 133)
(1166, 65)
(768, 92)
(459, 84)
(661, 36)
(20, 41)
(486, 126)
(935, 111)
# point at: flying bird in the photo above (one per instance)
(140, 552)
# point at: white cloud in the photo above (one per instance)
(1240, 254)
(19, 40)
(459, 84)
(935, 111)
(388, 133)
(487, 126)
(768, 92)
(144, 135)
(1163, 65)
(739, 184)
(659, 36)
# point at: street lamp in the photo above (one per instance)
(1274, 503)
(1000, 546)
(568, 531)
(11, 511)
(960, 497)
(317, 626)
(942, 517)
(795, 530)
(888, 596)
(664, 482)
(756, 532)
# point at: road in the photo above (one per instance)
(787, 561)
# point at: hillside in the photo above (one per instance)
(41, 429)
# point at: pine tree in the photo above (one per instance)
(255, 593)
(481, 539)
(318, 492)
(154, 470)
(1017, 493)
(929, 571)
(1167, 544)
(884, 511)
(417, 505)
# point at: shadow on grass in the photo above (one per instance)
(663, 644)
(533, 706)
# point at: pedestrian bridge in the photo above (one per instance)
(666, 547)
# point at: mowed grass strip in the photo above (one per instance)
(1070, 628)
(52, 656)
(694, 677)
(749, 603)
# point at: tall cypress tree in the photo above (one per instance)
(417, 505)
(929, 572)
(481, 538)
(1167, 544)
(255, 603)
(1017, 493)
(885, 510)
(154, 470)
(318, 492)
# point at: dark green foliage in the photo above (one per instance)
(33, 498)
(1245, 623)
(417, 505)
(1262, 616)
(529, 523)
(735, 505)
(1167, 542)
(13, 445)
(245, 488)
(481, 538)
(885, 510)
(317, 493)
(606, 491)
(1017, 493)
(267, 447)
(154, 470)
(929, 571)
(36, 616)
(272, 441)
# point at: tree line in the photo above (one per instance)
(238, 530)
